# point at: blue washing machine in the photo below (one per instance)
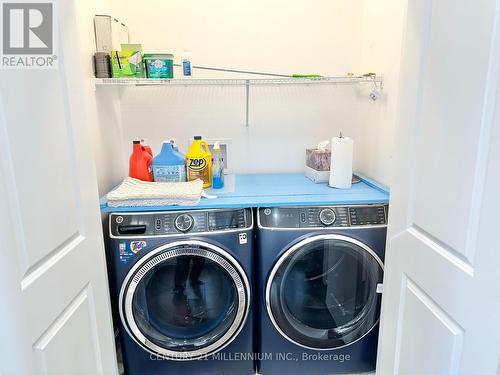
(320, 284)
(182, 290)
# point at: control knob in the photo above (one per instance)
(327, 216)
(183, 222)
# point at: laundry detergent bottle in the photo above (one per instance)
(169, 165)
(199, 162)
(140, 163)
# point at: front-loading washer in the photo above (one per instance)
(320, 284)
(182, 290)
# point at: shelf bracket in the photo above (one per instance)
(247, 102)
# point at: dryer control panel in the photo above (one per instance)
(178, 222)
(323, 216)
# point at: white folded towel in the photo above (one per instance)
(132, 192)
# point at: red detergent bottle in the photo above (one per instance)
(140, 163)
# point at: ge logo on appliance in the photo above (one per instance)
(243, 238)
(28, 35)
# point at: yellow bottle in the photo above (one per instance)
(199, 162)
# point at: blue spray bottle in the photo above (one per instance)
(217, 168)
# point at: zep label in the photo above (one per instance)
(197, 164)
(198, 168)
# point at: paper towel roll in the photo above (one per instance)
(341, 163)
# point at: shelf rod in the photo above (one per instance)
(237, 71)
(247, 91)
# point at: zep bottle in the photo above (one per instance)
(199, 162)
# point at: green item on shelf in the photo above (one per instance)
(126, 64)
(306, 76)
(159, 65)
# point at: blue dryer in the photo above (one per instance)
(320, 284)
(181, 286)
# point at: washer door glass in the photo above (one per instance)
(187, 301)
(322, 293)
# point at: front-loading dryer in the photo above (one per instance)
(182, 288)
(320, 284)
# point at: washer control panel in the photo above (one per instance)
(172, 223)
(323, 216)
(367, 215)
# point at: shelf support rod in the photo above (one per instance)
(247, 104)
(226, 70)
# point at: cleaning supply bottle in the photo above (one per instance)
(198, 162)
(217, 168)
(187, 68)
(140, 163)
(169, 165)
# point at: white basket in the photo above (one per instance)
(317, 176)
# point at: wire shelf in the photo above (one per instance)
(235, 82)
(376, 80)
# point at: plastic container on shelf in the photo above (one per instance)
(140, 163)
(169, 165)
(199, 162)
(159, 65)
(187, 67)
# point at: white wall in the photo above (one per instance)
(283, 120)
(381, 52)
(290, 36)
(104, 112)
(321, 36)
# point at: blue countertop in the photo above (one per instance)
(272, 190)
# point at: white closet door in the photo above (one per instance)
(54, 312)
(441, 304)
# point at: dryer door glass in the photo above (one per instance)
(322, 293)
(186, 302)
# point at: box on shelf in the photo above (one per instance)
(318, 164)
(127, 64)
(159, 65)
(109, 33)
